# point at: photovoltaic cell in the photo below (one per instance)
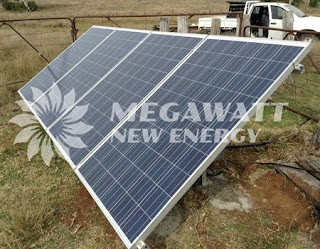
(64, 62)
(87, 73)
(128, 83)
(136, 181)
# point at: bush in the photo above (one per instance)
(32, 5)
(314, 3)
(18, 6)
(6, 5)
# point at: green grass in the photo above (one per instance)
(303, 95)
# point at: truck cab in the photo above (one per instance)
(271, 15)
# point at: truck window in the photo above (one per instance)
(296, 11)
(277, 12)
(256, 10)
(257, 14)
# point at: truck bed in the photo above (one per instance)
(226, 23)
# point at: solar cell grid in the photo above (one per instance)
(88, 72)
(128, 83)
(65, 61)
(146, 176)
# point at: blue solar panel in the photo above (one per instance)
(135, 184)
(65, 61)
(87, 73)
(130, 82)
(135, 181)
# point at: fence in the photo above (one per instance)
(47, 37)
(111, 18)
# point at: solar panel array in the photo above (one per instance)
(129, 83)
(136, 184)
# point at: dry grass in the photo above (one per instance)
(309, 11)
(27, 221)
(19, 62)
(99, 7)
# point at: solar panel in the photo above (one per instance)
(130, 82)
(65, 61)
(136, 184)
(88, 72)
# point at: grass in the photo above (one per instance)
(207, 227)
(47, 7)
(37, 203)
(27, 221)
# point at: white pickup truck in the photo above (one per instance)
(229, 22)
(273, 14)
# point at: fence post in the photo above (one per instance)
(246, 22)
(164, 24)
(239, 24)
(182, 24)
(215, 26)
(288, 23)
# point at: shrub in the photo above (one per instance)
(18, 6)
(6, 5)
(33, 5)
(314, 3)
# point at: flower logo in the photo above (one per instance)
(47, 106)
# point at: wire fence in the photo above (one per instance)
(19, 63)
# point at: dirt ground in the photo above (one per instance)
(247, 197)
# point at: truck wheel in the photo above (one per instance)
(307, 37)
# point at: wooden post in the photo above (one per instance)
(182, 24)
(164, 24)
(238, 31)
(215, 26)
(288, 23)
(246, 22)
